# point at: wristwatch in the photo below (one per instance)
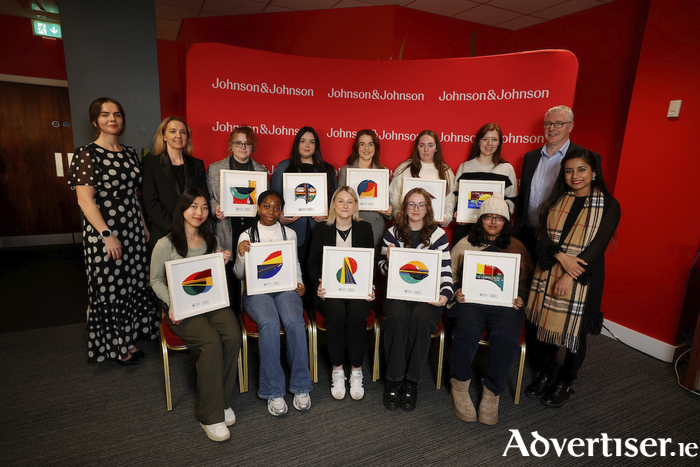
(105, 233)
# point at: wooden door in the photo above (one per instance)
(35, 124)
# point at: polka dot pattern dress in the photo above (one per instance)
(122, 306)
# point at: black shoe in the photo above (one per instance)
(139, 354)
(392, 397)
(557, 394)
(131, 361)
(538, 387)
(409, 395)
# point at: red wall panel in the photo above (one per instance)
(25, 54)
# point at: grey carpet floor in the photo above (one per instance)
(59, 410)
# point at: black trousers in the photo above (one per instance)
(407, 327)
(346, 325)
(543, 356)
(470, 320)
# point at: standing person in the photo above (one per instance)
(426, 162)
(365, 155)
(485, 163)
(407, 326)
(168, 173)
(346, 319)
(106, 177)
(242, 145)
(215, 335)
(540, 170)
(576, 225)
(305, 157)
(272, 309)
(490, 233)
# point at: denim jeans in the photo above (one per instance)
(268, 311)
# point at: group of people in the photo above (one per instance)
(563, 220)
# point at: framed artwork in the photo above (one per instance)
(371, 186)
(239, 190)
(271, 267)
(197, 285)
(472, 193)
(348, 272)
(305, 194)
(490, 278)
(414, 275)
(436, 190)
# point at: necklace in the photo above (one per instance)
(344, 233)
(265, 234)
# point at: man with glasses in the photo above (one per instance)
(540, 171)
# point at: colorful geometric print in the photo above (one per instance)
(198, 283)
(478, 197)
(367, 189)
(490, 273)
(270, 266)
(345, 274)
(244, 195)
(305, 191)
(413, 272)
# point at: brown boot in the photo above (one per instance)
(461, 402)
(488, 408)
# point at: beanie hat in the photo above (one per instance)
(495, 205)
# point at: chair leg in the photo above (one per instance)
(523, 351)
(440, 357)
(166, 370)
(314, 352)
(240, 372)
(375, 369)
(244, 349)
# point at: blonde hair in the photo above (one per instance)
(331, 211)
(159, 144)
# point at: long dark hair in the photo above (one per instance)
(478, 235)
(253, 233)
(319, 164)
(561, 188)
(177, 235)
(496, 159)
(438, 161)
(403, 231)
(356, 148)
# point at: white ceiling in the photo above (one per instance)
(507, 14)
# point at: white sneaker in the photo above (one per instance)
(338, 384)
(277, 406)
(357, 390)
(229, 417)
(302, 401)
(217, 431)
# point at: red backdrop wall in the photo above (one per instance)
(25, 54)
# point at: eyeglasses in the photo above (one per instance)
(494, 218)
(548, 125)
(240, 144)
(419, 206)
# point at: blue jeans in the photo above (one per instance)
(268, 311)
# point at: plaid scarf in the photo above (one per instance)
(558, 318)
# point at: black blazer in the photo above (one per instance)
(161, 191)
(325, 235)
(530, 162)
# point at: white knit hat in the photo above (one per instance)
(495, 205)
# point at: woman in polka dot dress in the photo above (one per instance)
(106, 176)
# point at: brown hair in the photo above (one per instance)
(96, 108)
(476, 150)
(438, 162)
(249, 137)
(356, 148)
(403, 231)
(159, 144)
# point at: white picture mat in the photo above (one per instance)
(487, 292)
(229, 178)
(434, 187)
(333, 258)
(299, 207)
(185, 305)
(284, 279)
(381, 177)
(464, 212)
(427, 290)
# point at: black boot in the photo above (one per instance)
(409, 395)
(392, 396)
(557, 394)
(539, 385)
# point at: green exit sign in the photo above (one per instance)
(42, 28)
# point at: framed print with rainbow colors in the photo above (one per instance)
(490, 278)
(347, 272)
(414, 275)
(239, 190)
(371, 186)
(471, 193)
(305, 194)
(271, 267)
(197, 285)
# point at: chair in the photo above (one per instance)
(523, 348)
(319, 324)
(250, 329)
